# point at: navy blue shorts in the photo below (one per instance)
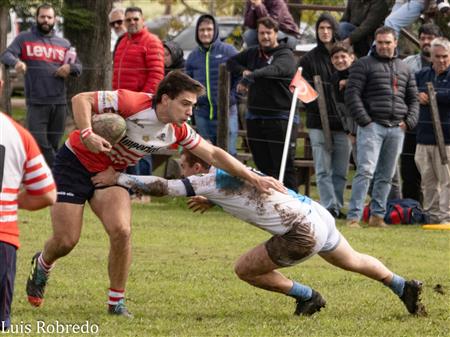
(73, 181)
(7, 276)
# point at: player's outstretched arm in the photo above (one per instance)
(149, 185)
(221, 159)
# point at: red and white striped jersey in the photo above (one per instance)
(145, 133)
(21, 162)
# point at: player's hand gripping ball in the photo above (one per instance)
(111, 126)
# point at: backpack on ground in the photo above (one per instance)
(401, 211)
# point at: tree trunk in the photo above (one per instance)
(5, 101)
(168, 7)
(86, 26)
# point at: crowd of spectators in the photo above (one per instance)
(378, 108)
(366, 86)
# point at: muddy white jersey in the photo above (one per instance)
(275, 212)
(145, 133)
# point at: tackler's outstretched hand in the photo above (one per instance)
(265, 183)
(199, 204)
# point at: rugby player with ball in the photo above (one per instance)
(153, 123)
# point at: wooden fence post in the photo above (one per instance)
(323, 112)
(437, 126)
(223, 107)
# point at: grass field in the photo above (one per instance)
(182, 281)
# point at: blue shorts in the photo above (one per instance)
(73, 181)
(7, 276)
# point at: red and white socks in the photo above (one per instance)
(115, 296)
(44, 266)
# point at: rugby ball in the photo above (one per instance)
(110, 126)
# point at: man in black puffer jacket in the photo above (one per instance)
(382, 97)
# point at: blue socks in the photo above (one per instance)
(300, 292)
(397, 285)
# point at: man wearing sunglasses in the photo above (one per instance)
(138, 66)
(117, 23)
(139, 56)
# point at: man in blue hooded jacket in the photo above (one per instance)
(203, 66)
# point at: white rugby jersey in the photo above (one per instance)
(275, 212)
(21, 162)
(145, 133)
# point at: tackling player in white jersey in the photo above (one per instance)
(153, 123)
(300, 227)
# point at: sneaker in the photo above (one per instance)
(120, 309)
(376, 221)
(353, 223)
(411, 298)
(342, 215)
(332, 212)
(311, 306)
(36, 282)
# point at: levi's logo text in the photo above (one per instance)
(43, 52)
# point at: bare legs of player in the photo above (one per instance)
(256, 268)
(112, 206)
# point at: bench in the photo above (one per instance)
(303, 163)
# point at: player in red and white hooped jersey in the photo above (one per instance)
(153, 123)
(146, 134)
(21, 164)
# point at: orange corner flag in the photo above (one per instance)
(306, 93)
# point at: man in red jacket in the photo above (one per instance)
(138, 66)
(139, 57)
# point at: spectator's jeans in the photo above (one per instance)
(331, 167)
(345, 29)
(404, 13)
(143, 167)
(378, 150)
(266, 140)
(207, 128)
(435, 182)
(251, 38)
(46, 123)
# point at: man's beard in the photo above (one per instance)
(426, 52)
(43, 29)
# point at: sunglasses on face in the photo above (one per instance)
(132, 19)
(117, 22)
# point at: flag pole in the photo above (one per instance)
(289, 131)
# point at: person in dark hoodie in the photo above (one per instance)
(173, 57)
(267, 70)
(203, 65)
(331, 167)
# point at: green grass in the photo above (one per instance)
(182, 282)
